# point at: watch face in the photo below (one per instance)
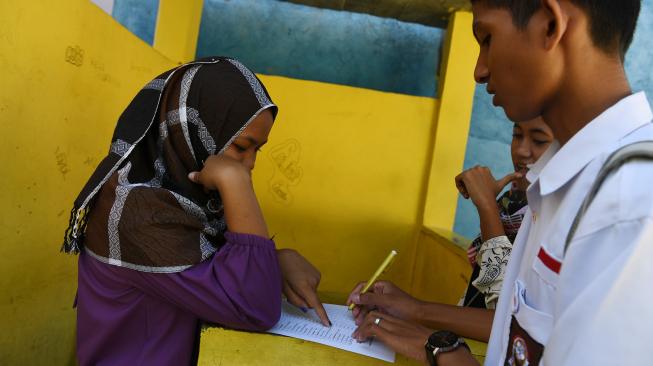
(443, 338)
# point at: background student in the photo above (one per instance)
(500, 218)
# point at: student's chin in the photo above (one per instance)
(516, 115)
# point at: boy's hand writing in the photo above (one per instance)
(385, 297)
(402, 336)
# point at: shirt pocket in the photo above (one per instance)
(537, 323)
(547, 266)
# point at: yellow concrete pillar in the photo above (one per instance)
(456, 91)
(177, 27)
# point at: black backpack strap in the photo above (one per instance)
(637, 151)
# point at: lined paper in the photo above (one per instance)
(307, 326)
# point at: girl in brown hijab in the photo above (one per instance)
(169, 229)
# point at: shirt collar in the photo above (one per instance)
(559, 164)
(534, 170)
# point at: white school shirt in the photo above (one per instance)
(595, 306)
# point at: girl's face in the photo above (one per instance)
(530, 140)
(245, 147)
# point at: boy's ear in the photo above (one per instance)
(556, 23)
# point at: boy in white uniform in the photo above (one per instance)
(563, 60)
(569, 56)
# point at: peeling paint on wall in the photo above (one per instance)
(339, 47)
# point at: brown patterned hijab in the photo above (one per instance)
(139, 210)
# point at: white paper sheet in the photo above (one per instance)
(307, 326)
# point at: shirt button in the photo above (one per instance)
(515, 299)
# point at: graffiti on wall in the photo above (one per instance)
(287, 170)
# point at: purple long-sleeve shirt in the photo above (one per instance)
(126, 317)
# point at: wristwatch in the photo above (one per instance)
(440, 342)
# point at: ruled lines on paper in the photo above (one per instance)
(307, 326)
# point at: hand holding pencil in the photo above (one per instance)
(383, 296)
(382, 268)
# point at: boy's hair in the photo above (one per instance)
(612, 22)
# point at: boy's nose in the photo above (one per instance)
(481, 71)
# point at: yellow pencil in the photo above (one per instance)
(375, 276)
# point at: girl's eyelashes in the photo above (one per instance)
(240, 147)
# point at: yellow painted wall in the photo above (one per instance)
(68, 70)
(178, 25)
(224, 347)
(440, 270)
(456, 91)
(348, 190)
(232, 348)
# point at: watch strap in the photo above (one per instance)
(433, 352)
